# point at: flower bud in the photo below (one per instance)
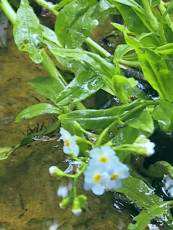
(55, 171)
(65, 202)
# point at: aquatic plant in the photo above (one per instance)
(102, 144)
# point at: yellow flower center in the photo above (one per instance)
(97, 178)
(67, 143)
(104, 159)
(114, 176)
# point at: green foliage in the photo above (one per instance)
(163, 114)
(77, 19)
(125, 128)
(138, 192)
(146, 216)
(46, 87)
(27, 32)
(36, 110)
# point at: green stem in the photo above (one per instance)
(97, 47)
(130, 63)
(61, 4)
(8, 11)
(47, 5)
(50, 67)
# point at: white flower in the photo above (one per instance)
(116, 175)
(95, 179)
(70, 144)
(145, 144)
(104, 156)
(105, 171)
(168, 186)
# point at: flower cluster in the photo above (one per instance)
(105, 171)
(70, 144)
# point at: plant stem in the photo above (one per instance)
(47, 5)
(61, 4)
(97, 47)
(50, 67)
(8, 11)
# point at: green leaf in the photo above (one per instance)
(165, 49)
(28, 32)
(155, 2)
(77, 19)
(158, 72)
(46, 87)
(120, 51)
(92, 73)
(146, 216)
(133, 15)
(131, 3)
(49, 35)
(163, 114)
(159, 169)
(83, 85)
(138, 192)
(36, 110)
(124, 88)
(98, 119)
(142, 121)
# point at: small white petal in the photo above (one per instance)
(62, 191)
(98, 190)
(65, 135)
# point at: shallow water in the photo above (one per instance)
(27, 193)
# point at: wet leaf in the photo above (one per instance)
(124, 88)
(92, 73)
(98, 119)
(28, 32)
(146, 216)
(163, 114)
(138, 192)
(46, 87)
(36, 110)
(159, 169)
(142, 121)
(77, 19)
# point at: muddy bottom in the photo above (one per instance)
(27, 193)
